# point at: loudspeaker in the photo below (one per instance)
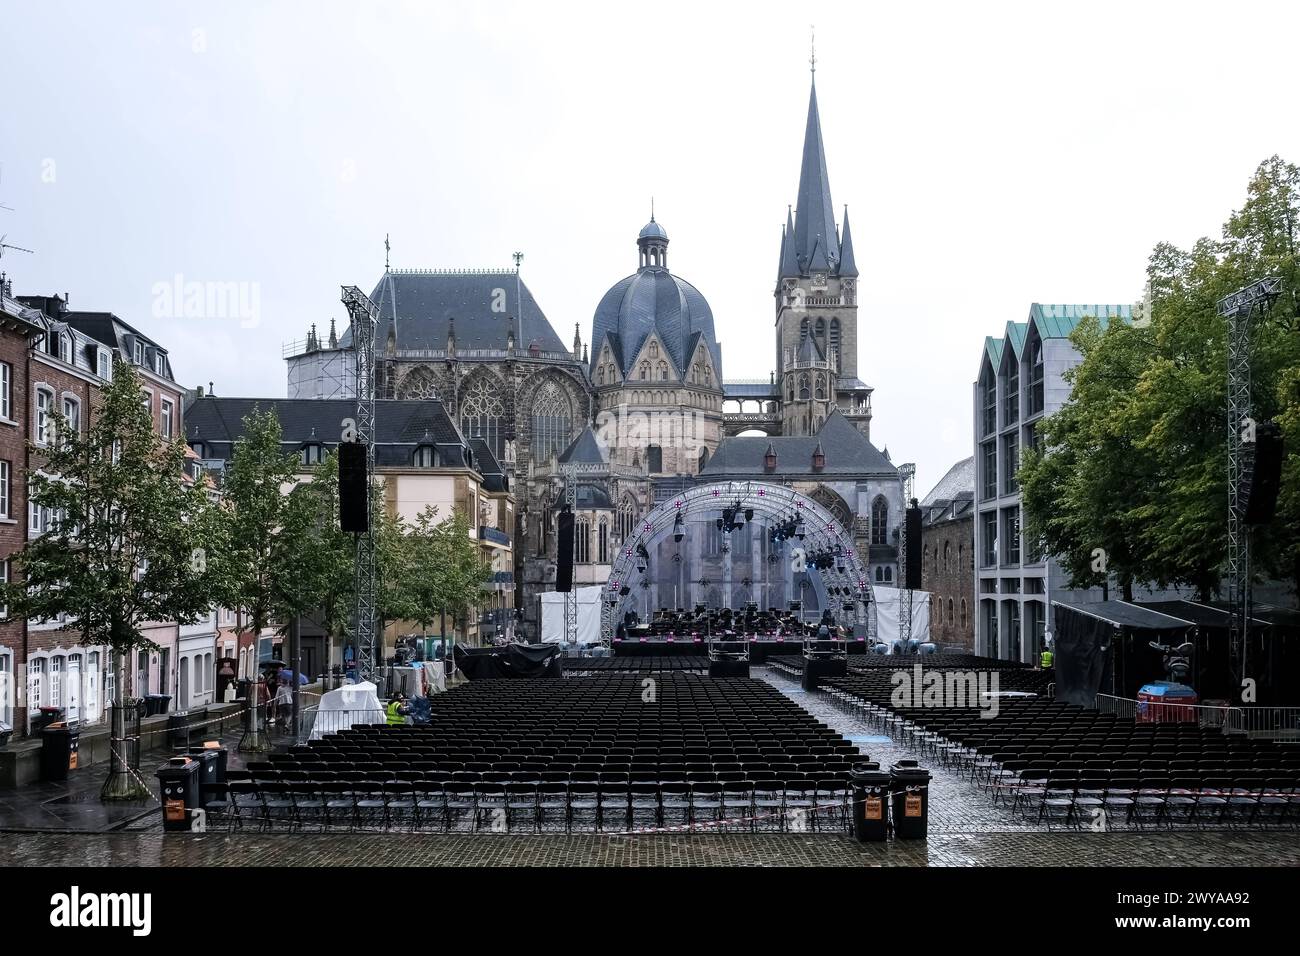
(912, 528)
(564, 552)
(354, 509)
(1261, 493)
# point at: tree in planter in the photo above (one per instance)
(275, 564)
(129, 542)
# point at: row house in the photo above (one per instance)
(54, 359)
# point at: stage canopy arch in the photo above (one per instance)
(728, 543)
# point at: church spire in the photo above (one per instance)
(789, 264)
(848, 267)
(815, 216)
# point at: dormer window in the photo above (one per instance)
(818, 458)
(312, 453)
(65, 348)
(139, 352)
(423, 457)
(160, 363)
(769, 459)
(200, 449)
(104, 365)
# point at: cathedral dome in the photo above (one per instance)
(653, 300)
(652, 230)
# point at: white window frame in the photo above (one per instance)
(65, 347)
(139, 352)
(6, 489)
(104, 365)
(44, 423)
(160, 363)
(167, 418)
(6, 391)
(71, 409)
(8, 690)
(4, 608)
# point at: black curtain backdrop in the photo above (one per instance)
(512, 660)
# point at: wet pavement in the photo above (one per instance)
(965, 829)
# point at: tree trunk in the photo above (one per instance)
(123, 782)
(253, 741)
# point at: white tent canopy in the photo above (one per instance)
(347, 705)
(588, 616)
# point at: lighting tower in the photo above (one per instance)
(363, 314)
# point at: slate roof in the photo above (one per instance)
(486, 464)
(586, 449)
(811, 242)
(103, 328)
(1058, 321)
(400, 426)
(848, 453)
(653, 300)
(419, 305)
(960, 478)
(750, 390)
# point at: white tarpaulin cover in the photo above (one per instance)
(348, 705)
(889, 604)
(588, 616)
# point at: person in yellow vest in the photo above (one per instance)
(397, 710)
(1045, 659)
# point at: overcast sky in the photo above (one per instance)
(991, 155)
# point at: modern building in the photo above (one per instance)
(1021, 380)
(948, 556)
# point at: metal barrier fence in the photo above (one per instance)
(315, 723)
(1265, 723)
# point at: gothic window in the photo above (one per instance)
(947, 551)
(602, 541)
(654, 456)
(889, 574)
(834, 341)
(645, 371)
(803, 330)
(880, 575)
(964, 622)
(482, 414)
(950, 612)
(879, 521)
(419, 383)
(803, 388)
(626, 519)
(821, 328)
(821, 389)
(654, 349)
(552, 421)
(789, 390)
(663, 371)
(582, 540)
(600, 375)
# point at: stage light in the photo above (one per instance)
(749, 514)
(640, 566)
(719, 524)
(679, 528)
(799, 531)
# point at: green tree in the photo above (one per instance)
(1135, 463)
(131, 541)
(445, 571)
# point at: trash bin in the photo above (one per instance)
(58, 751)
(46, 716)
(870, 787)
(909, 787)
(219, 757)
(178, 785)
(209, 772)
(155, 704)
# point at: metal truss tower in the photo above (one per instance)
(1239, 309)
(363, 315)
(907, 478)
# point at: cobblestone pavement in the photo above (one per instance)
(153, 848)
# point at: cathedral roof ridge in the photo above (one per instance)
(452, 272)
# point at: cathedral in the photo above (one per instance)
(642, 409)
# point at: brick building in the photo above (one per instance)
(947, 556)
(19, 327)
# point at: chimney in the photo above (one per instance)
(199, 391)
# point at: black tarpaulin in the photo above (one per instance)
(512, 660)
(1105, 648)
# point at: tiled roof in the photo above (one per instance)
(960, 478)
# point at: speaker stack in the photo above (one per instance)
(564, 552)
(912, 528)
(1266, 476)
(354, 486)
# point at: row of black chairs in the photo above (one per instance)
(611, 803)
